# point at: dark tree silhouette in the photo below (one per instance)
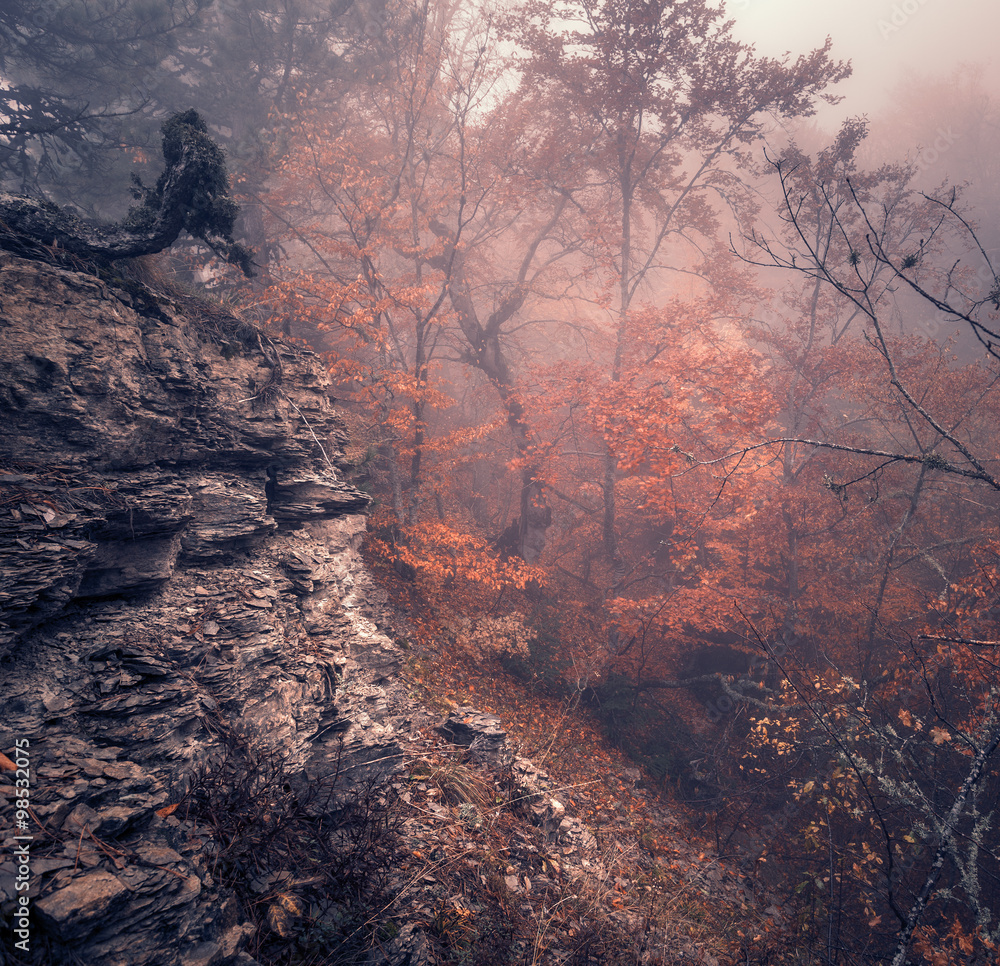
(192, 195)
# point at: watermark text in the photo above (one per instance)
(22, 845)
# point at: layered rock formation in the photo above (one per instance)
(176, 572)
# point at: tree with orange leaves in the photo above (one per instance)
(420, 232)
(663, 103)
(362, 189)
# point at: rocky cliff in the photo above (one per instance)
(176, 574)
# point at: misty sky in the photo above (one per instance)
(884, 38)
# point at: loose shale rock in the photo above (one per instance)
(178, 563)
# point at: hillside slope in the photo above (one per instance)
(224, 764)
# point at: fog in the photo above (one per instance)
(652, 371)
(886, 40)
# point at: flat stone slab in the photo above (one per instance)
(77, 909)
(465, 725)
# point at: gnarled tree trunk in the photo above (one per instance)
(192, 194)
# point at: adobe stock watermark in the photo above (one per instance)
(902, 13)
(930, 155)
(22, 845)
(45, 12)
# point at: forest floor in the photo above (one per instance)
(667, 878)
